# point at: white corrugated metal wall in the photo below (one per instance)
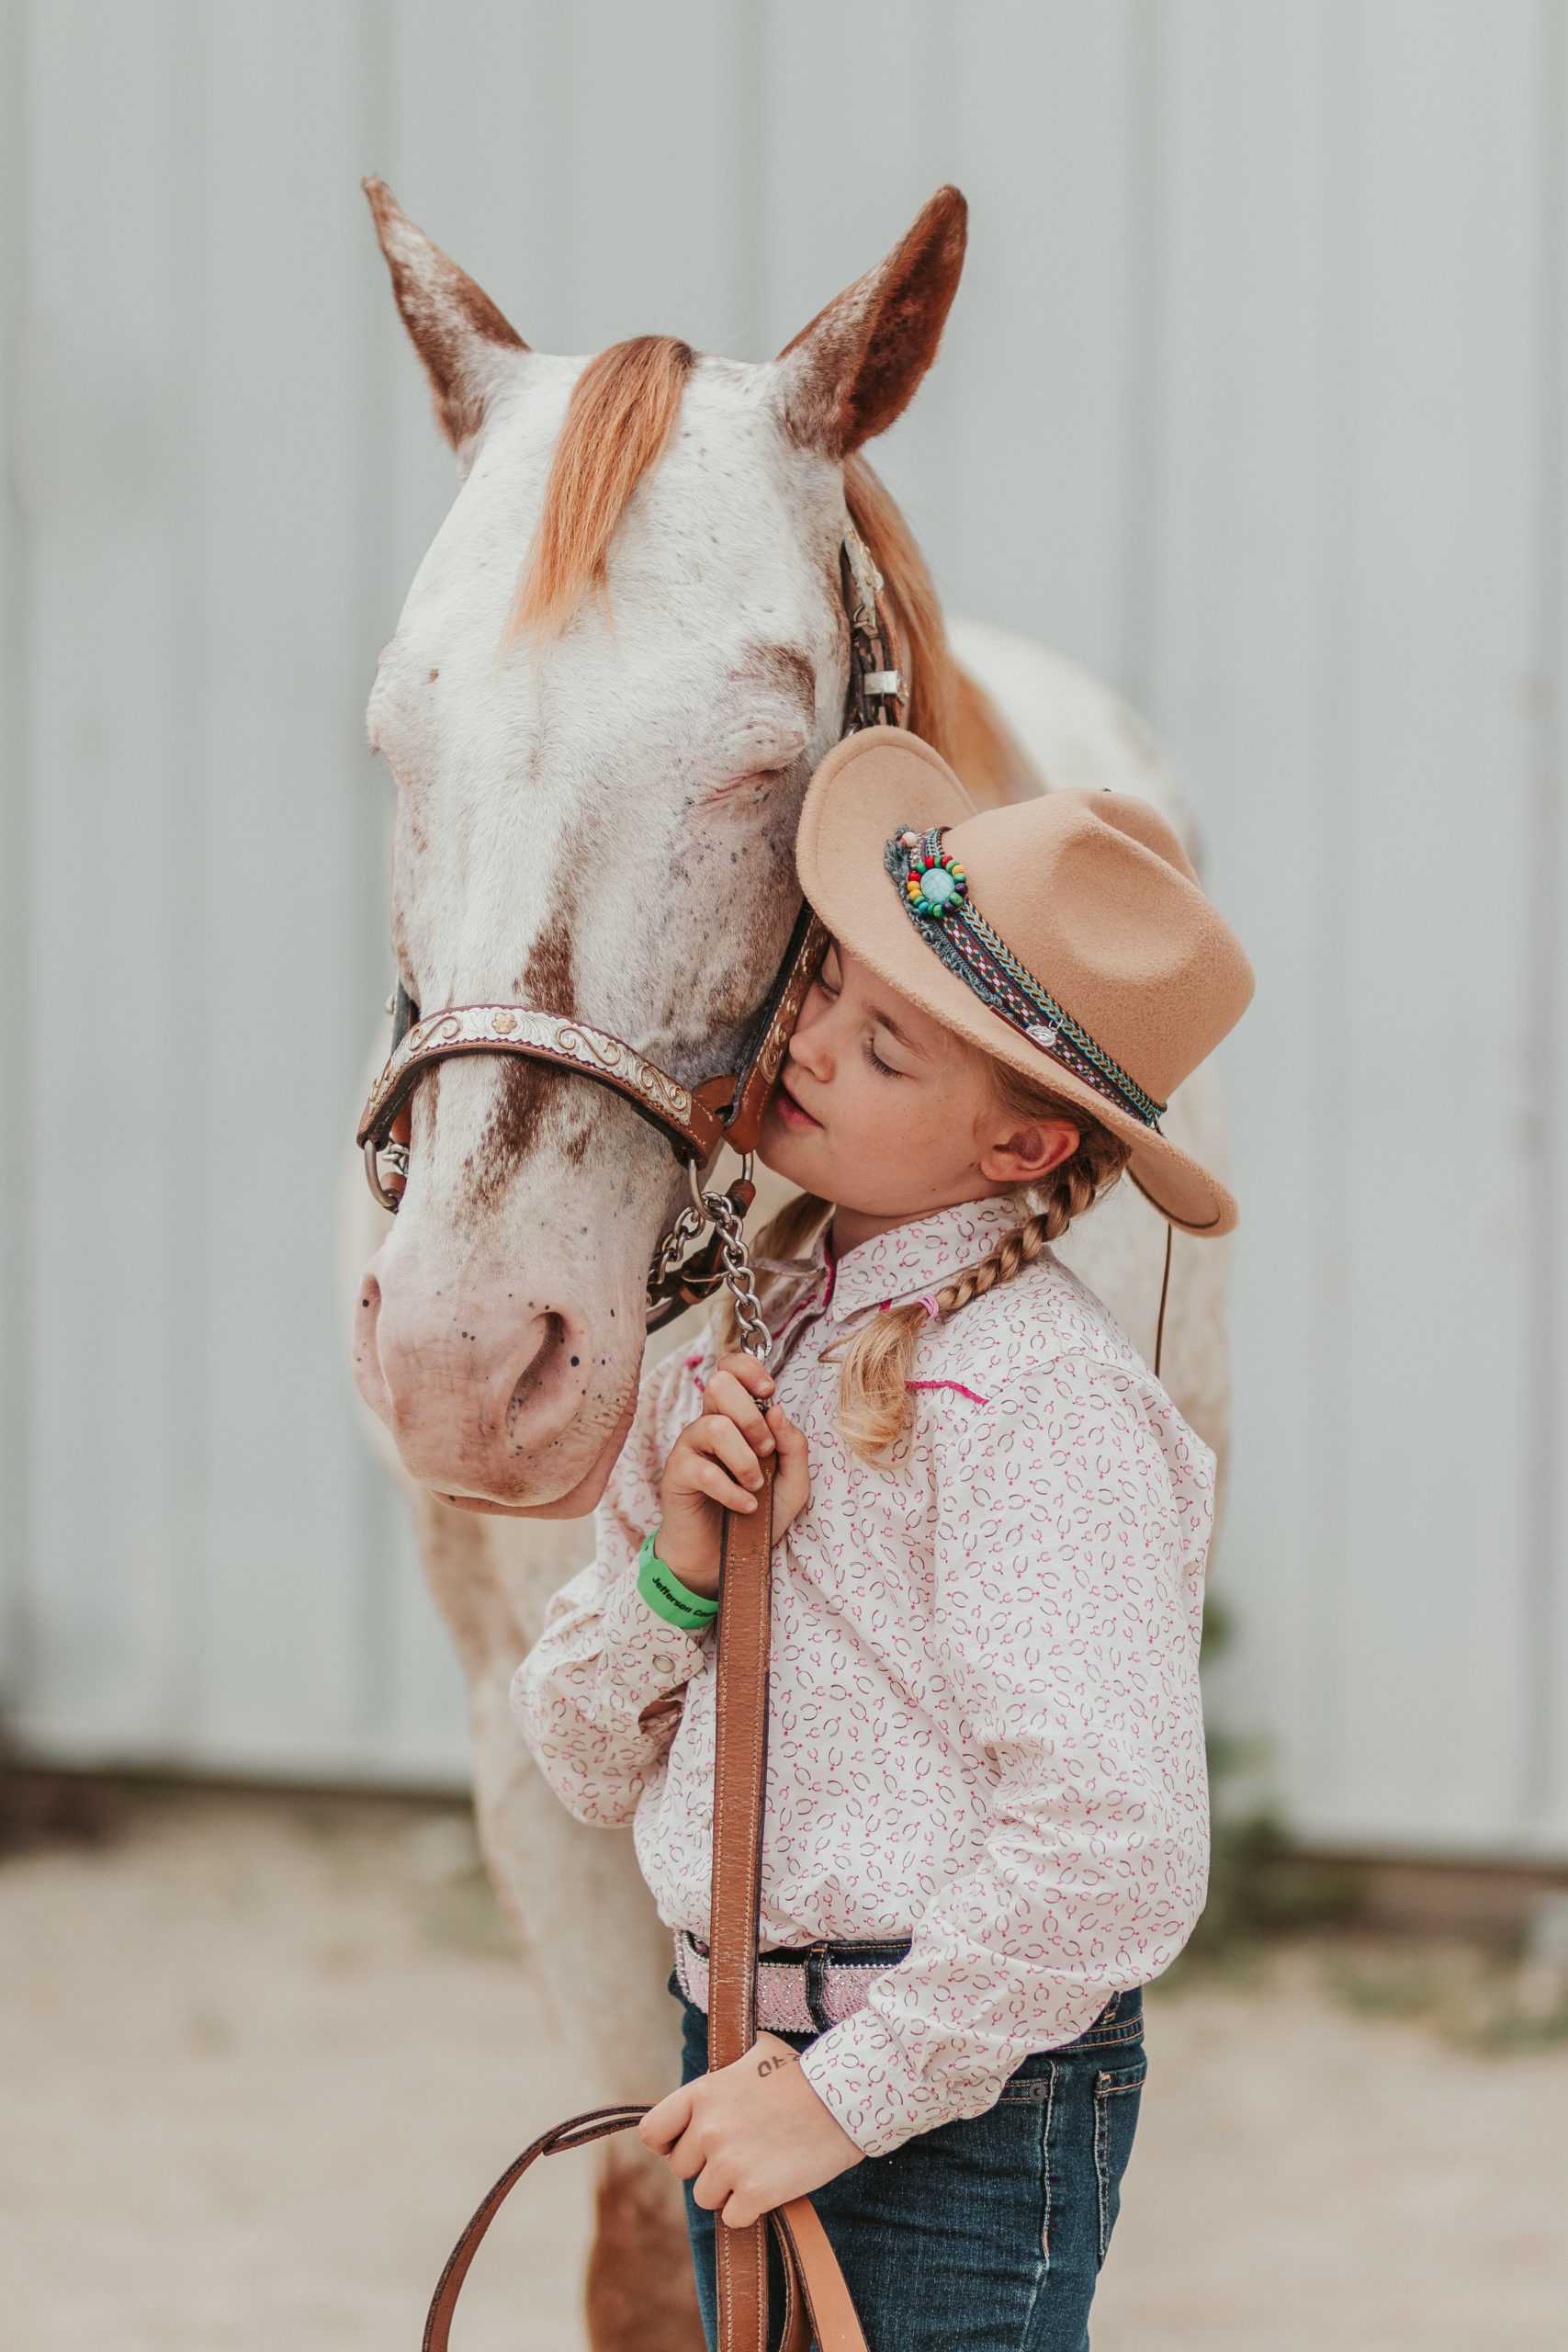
(1252, 397)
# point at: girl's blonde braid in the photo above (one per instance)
(873, 1399)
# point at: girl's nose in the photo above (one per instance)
(805, 1046)
(808, 1055)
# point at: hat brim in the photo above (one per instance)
(870, 784)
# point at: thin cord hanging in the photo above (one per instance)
(1164, 1281)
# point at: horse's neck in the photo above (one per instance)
(987, 756)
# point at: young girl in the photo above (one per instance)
(986, 1819)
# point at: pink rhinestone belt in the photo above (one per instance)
(782, 2006)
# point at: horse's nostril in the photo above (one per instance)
(478, 1386)
(538, 1391)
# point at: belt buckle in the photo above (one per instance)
(819, 1943)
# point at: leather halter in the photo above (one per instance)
(725, 1108)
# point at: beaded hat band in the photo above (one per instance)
(935, 892)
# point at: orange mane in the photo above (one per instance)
(617, 421)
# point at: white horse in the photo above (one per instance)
(595, 815)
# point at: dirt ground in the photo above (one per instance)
(260, 2053)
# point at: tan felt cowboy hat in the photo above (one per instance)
(1067, 935)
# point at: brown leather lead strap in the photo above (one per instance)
(817, 2301)
(740, 1753)
(573, 2133)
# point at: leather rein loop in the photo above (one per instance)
(817, 2301)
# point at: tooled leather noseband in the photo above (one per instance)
(725, 1108)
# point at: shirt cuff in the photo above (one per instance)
(875, 2087)
(864, 2077)
(645, 1655)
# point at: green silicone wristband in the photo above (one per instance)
(665, 1594)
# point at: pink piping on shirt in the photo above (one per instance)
(957, 1386)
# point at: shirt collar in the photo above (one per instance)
(918, 1256)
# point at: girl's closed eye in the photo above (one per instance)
(871, 1055)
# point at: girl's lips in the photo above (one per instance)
(794, 1114)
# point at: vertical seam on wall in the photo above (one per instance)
(748, 168)
(1144, 292)
(186, 227)
(16, 1129)
(1333, 725)
(1544, 1122)
(940, 65)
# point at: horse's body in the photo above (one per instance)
(532, 1190)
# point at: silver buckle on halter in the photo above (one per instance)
(877, 687)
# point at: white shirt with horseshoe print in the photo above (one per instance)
(985, 1726)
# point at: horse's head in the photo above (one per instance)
(621, 657)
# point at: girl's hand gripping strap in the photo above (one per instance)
(817, 2301)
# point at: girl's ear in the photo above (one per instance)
(1030, 1151)
(467, 347)
(855, 368)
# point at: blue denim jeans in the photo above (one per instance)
(987, 2234)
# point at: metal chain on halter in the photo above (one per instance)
(686, 1227)
(755, 1336)
(875, 691)
(718, 1209)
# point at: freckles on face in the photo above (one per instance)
(893, 1098)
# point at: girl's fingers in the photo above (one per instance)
(743, 1367)
(788, 1439)
(716, 1435)
(708, 1478)
(727, 1394)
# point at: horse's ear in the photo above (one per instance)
(846, 377)
(462, 338)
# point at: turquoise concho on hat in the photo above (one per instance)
(935, 892)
